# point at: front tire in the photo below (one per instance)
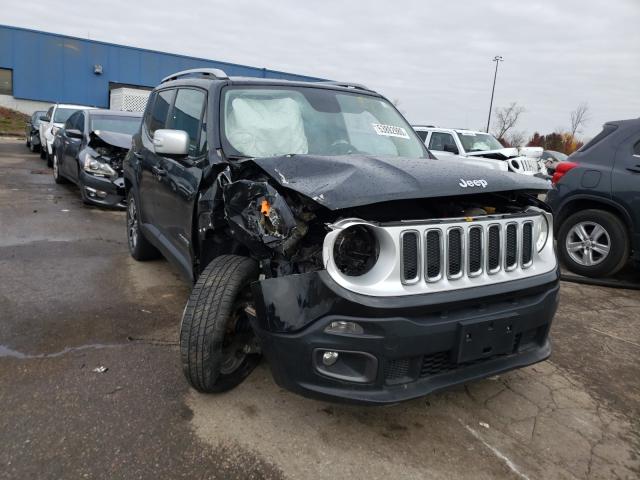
(217, 346)
(593, 243)
(139, 247)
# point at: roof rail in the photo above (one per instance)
(358, 86)
(211, 72)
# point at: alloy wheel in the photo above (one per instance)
(132, 224)
(588, 243)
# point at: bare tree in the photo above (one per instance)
(506, 118)
(516, 138)
(579, 118)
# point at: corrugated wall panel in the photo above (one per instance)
(50, 67)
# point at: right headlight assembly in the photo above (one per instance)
(542, 232)
(356, 250)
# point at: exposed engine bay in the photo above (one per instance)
(285, 230)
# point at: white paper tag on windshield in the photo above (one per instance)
(390, 130)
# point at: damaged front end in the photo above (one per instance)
(101, 174)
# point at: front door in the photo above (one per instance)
(150, 162)
(180, 178)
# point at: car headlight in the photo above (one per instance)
(356, 250)
(96, 167)
(543, 232)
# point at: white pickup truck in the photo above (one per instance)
(446, 143)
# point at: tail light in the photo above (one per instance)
(561, 169)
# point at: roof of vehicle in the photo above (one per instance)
(460, 130)
(202, 80)
(114, 113)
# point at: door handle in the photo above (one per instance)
(158, 172)
(635, 169)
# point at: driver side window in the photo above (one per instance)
(439, 140)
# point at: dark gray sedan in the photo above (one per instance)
(89, 151)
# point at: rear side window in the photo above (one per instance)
(607, 130)
(163, 101)
(187, 115)
(422, 134)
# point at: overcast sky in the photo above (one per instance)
(433, 56)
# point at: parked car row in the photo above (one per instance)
(318, 229)
(85, 146)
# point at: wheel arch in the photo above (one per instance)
(586, 202)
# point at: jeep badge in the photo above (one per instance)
(473, 183)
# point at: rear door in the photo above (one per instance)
(625, 180)
(180, 179)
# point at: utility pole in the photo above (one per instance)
(496, 59)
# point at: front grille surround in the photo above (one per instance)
(432, 271)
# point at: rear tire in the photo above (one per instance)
(593, 243)
(217, 345)
(139, 247)
(43, 150)
(59, 179)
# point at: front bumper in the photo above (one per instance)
(411, 346)
(102, 191)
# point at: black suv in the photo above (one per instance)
(320, 231)
(596, 201)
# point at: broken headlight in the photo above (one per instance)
(356, 250)
(96, 167)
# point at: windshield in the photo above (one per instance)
(62, 114)
(478, 142)
(272, 121)
(113, 123)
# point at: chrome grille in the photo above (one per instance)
(456, 252)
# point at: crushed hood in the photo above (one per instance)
(354, 180)
(500, 154)
(115, 139)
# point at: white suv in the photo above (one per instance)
(54, 119)
(445, 143)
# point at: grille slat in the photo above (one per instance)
(410, 256)
(433, 255)
(493, 252)
(454, 244)
(511, 246)
(527, 245)
(475, 251)
(451, 252)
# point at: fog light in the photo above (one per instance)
(342, 326)
(329, 358)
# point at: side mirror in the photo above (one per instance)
(73, 133)
(171, 142)
(43, 118)
(451, 148)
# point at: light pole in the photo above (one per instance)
(496, 59)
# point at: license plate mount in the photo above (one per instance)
(478, 339)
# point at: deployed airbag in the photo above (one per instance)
(266, 128)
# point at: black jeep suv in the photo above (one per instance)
(596, 201)
(320, 231)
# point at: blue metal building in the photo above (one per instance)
(47, 67)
